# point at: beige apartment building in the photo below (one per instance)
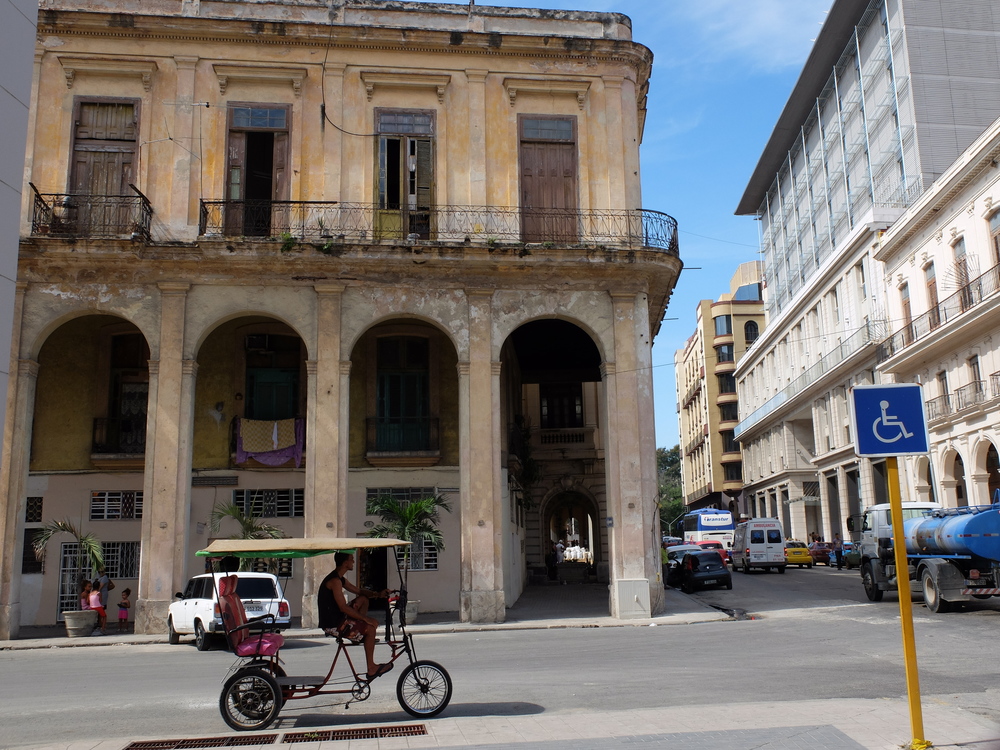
(291, 255)
(941, 261)
(881, 110)
(707, 403)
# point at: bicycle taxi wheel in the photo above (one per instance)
(251, 699)
(424, 689)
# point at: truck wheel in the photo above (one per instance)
(781, 568)
(932, 596)
(872, 590)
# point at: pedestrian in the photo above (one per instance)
(85, 595)
(123, 607)
(838, 549)
(560, 549)
(104, 584)
(95, 604)
(550, 562)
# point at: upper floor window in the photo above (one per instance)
(547, 166)
(273, 372)
(115, 505)
(727, 383)
(271, 503)
(723, 325)
(256, 166)
(403, 419)
(729, 444)
(729, 412)
(561, 404)
(995, 236)
(724, 353)
(751, 331)
(405, 168)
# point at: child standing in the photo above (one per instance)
(123, 608)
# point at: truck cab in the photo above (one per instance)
(876, 562)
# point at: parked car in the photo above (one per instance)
(717, 546)
(822, 552)
(703, 569)
(797, 553)
(852, 556)
(674, 556)
(197, 611)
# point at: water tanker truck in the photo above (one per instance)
(953, 554)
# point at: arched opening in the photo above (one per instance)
(552, 401)
(571, 519)
(88, 453)
(993, 472)
(404, 444)
(958, 473)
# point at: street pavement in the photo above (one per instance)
(827, 724)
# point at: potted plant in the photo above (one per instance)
(79, 622)
(409, 521)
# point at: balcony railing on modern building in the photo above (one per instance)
(402, 434)
(872, 331)
(966, 298)
(122, 436)
(325, 222)
(94, 216)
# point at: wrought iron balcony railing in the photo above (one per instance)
(329, 221)
(97, 216)
(126, 436)
(969, 296)
(938, 407)
(403, 434)
(970, 395)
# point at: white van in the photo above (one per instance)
(758, 543)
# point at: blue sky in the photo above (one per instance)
(722, 71)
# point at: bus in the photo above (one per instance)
(708, 524)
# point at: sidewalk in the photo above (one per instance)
(830, 724)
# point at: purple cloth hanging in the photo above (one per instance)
(274, 458)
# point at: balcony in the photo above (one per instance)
(334, 222)
(403, 441)
(938, 407)
(970, 395)
(67, 215)
(119, 436)
(869, 333)
(966, 298)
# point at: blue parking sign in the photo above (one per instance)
(889, 420)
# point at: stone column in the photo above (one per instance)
(326, 426)
(633, 574)
(13, 483)
(616, 134)
(482, 596)
(167, 481)
(183, 210)
(477, 136)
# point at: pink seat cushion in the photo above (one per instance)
(266, 644)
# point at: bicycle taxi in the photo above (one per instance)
(257, 687)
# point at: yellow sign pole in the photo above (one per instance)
(905, 607)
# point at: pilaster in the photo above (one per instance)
(184, 190)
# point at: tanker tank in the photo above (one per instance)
(974, 531)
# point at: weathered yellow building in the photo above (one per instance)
(293, 254)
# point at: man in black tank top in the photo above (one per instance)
(334, 609)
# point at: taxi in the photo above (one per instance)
(797, 553)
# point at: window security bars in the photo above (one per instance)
(271, 503)
(423, 556)
(331, 221)
(115, 505)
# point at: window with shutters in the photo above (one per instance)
(104, 146)
(257, 168)
(404, 162)
(547, 164)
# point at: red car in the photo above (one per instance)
(822, 552)
(718, 547)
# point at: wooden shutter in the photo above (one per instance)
(280, 175)
(425, 174)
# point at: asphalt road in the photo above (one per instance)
(814, 636)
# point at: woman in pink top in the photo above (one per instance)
(95, 604)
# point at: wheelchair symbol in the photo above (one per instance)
(887, 420)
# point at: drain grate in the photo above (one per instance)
(240, 740)
(363, 733)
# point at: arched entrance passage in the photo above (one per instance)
(552, 400)
(993, 471)
(571, 517)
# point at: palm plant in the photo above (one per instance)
(89, 545)
(409, 521)
(251, 526)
